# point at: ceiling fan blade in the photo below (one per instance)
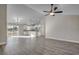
(55, 8)
(58, 12)
(46, 11)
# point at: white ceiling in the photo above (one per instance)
(23, 13)
(68, 9)
(32, 12)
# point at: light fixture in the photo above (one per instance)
(52, 11)
(52, 14)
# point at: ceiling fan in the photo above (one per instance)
(52, 11)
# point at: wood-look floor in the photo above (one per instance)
(38, 46)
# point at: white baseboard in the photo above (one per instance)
(3, 43)
(63, 40)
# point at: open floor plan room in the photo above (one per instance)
(39, 29)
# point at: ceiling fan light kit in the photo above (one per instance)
(52, 14)
(52, 11)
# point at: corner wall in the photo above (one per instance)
(64, 28)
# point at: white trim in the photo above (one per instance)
(73, 41)
(3, 43)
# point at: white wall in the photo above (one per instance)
(42, 29)
(63, 28)
(3, 33)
